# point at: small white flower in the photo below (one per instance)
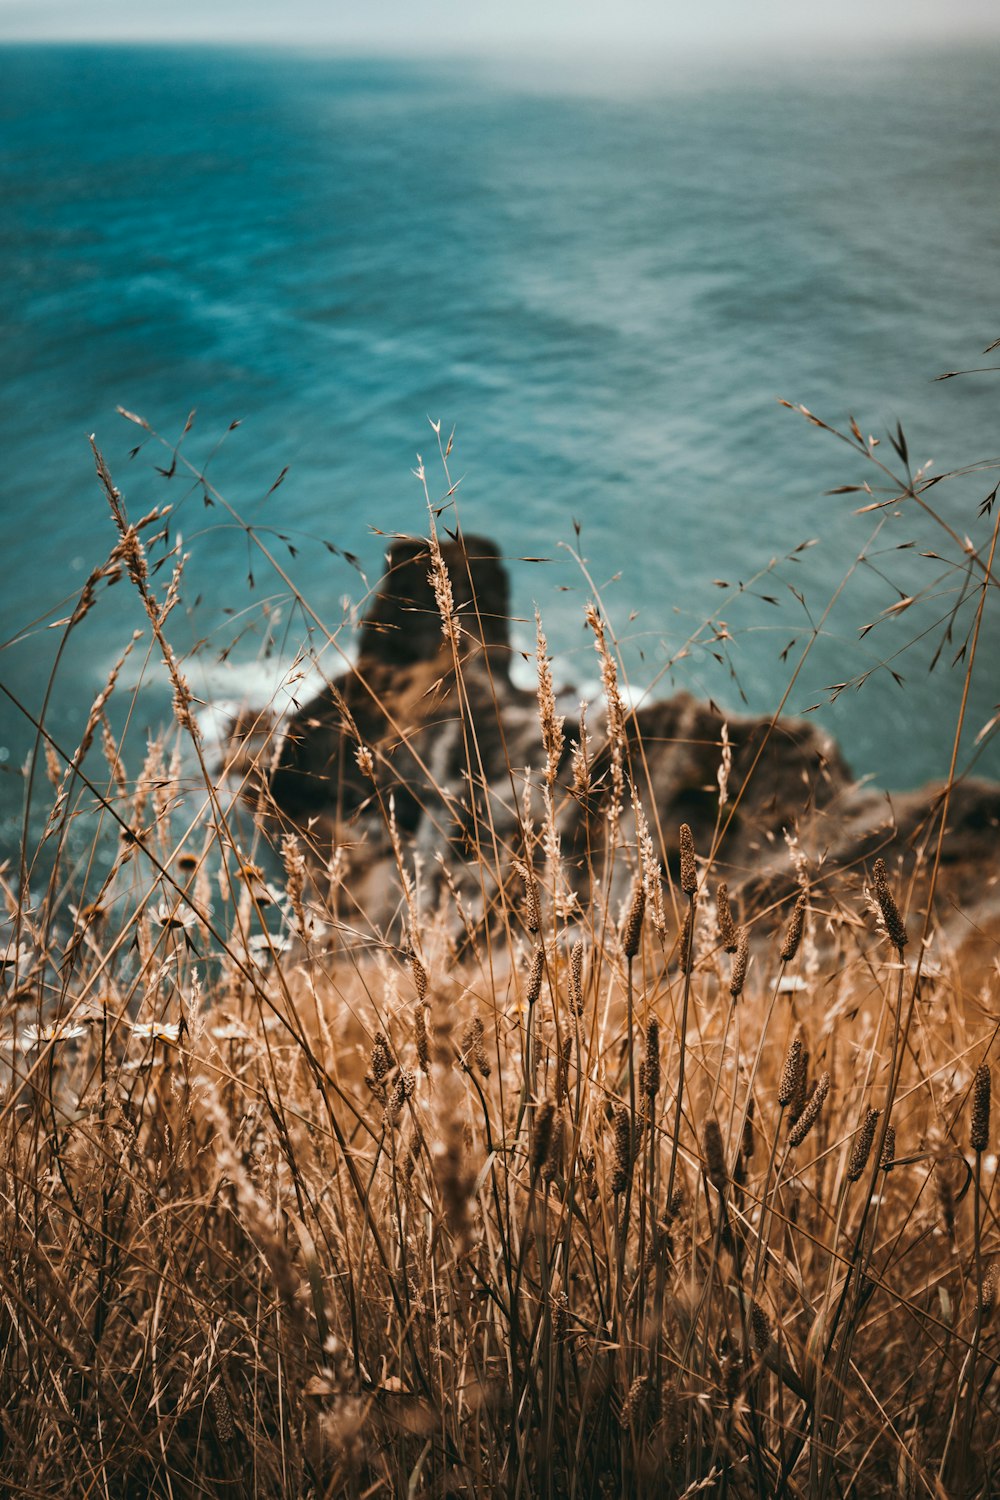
(14, 956)
(157, 1031)
(178, 918)
(232, 1030)
(263, 944)
(56, 1031)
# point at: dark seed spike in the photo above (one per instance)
(810, 1113)
(796, 927)
(861, 1150)
(622, 1168)
(544, 1115)
(689, 869)
(790, 1073)
(651, 1060)
(980, 1132)
(760, 1327)
(632, 931)
(534, 987)
(888, 1156)
(576, 979)
(715, 1156)
(738, 976)
(894, 925)
(728, 936)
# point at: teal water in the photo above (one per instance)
(604, 285)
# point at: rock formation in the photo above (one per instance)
(453, 749)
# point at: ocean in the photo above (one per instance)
(603, 284)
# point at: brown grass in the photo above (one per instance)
(512, 1202)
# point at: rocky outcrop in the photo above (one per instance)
(452, 749)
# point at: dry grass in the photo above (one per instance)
(536, 1201)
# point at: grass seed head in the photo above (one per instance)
(728, 936)
(552, 1165)
(738, 974)
(861, 1149)
(636, 1404)
(532, 908)
(576, 979)
(689, 869)
(791, 1073)
(894, 924)
(621, 1170)
(747, 1144)
(542, 1135)
(420, 1037)
(715, 1156)
(651, 1059)
(810, 1112)
(888, 1156)
(535, 971)
(632, 930)
(760, 1327)
(980, 1132)
(796, 927)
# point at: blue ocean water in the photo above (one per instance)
(603, 283)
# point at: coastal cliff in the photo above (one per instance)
(455, 750)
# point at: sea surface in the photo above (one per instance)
(602, 282)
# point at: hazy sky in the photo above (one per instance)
(457, 25)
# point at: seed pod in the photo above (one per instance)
(728, 936)
(945, 1196)
(471, 1047)
(988, 1293)
(552, 1165)
(793, 936)
(797, 1103)
(622, 1169)
(542, 1136)
(715, 1156)
(674, 1423)
(576, 979)
(789, 1081)
(636, 1403)
(588, 1167)
(532, 910)
(382, 1061)
(861, 1150)
(980, 1132)
(419, 976)
(888, 1157)
(810, 1113)
(421, 1038)
(534, 986)
(560, 1316)
(739, 970)
(732, 1374)
(747, 1143)
(223, 1414)
(890, 911)
(651, 1060)
(760, 1327)
(402, 1090)
(632, 930)
(689, 869)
